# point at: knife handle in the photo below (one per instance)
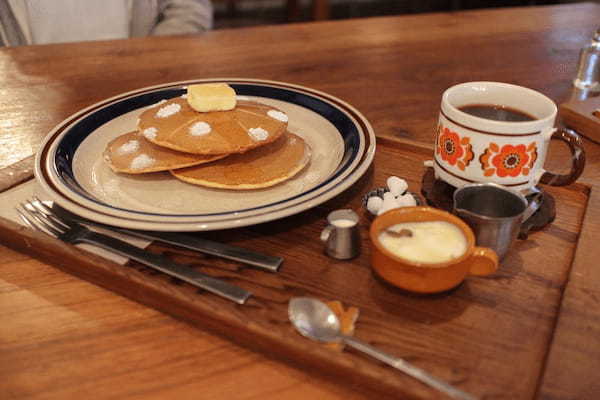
(227, 251)
(167, 266)
(190, 242)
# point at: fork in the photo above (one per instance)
(40, 217)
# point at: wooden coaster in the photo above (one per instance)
(439, 194)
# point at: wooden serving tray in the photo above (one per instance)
(490, 336)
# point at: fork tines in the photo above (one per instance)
(38, 216)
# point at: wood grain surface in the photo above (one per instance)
(573, 348)
(456, 335)
(62, 337)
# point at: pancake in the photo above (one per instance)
(176, 125)
(133, 154)
(259, 168)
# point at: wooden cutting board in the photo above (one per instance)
(490, 336)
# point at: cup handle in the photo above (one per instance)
(484, 261)
(326, 233)
(572, 139)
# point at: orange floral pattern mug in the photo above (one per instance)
(470, 149)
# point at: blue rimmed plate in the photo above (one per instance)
(71, 169)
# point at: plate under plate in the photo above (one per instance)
(69, 165)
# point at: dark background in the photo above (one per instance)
(238, 13)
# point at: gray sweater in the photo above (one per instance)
(146, 17)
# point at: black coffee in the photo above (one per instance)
(496, 112)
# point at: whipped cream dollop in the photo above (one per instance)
(168, 110)
(200, 128)
(150, 133)
(258, 134)
(278, 115)
(130, 147)
(142, 161)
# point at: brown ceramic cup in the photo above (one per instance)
(427, 277)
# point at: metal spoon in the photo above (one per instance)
(315, 320)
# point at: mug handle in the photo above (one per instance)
(572, 139)
(484, 261)
(326, 233)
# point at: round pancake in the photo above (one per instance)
(259, 168)
(133, 154)
(176, 125)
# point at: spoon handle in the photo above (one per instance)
(408, 369)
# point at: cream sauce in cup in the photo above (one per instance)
(428, 242)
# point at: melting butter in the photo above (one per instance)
(211, 97)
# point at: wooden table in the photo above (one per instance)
(62, 337)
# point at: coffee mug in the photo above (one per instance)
(500, 133)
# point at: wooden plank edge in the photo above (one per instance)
(353, 370)
(414, 146)
(578, 115)
(573, 358)
(16, 173)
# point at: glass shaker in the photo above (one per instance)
(587, 80)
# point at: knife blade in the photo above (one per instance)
(227, 251)
(234, 253)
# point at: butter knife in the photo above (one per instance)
(234, 253)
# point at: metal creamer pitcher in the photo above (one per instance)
(494, 212)
(341, 236)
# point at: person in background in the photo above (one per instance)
(24, 22)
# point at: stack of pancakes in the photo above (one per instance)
(234, 144)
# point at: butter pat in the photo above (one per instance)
(211, 97)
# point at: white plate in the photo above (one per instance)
(69, 165)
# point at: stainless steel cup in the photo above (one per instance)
(494, 212)
(341, 235)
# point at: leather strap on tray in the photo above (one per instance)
(16, 173)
